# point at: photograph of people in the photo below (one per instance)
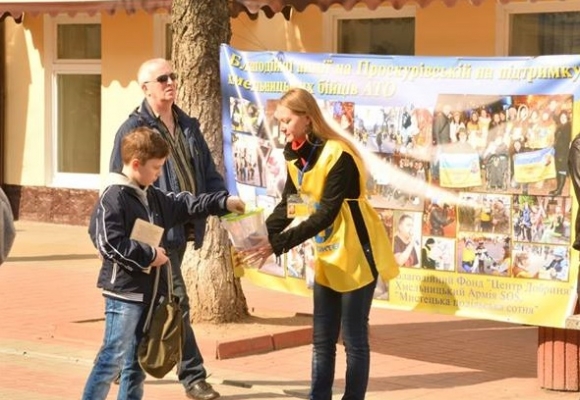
(522, 267)
(394, 181)
(438, 254)
(520, 141)
(406, 242)
(427, 258)
(440, 218)
(540, 261)
(500, 214)
(541, 219)
(237, 107)
(502, 267)
(557, 266)
(483, 254)
(468, 256)
(466, 212)
(522, 221)
(556, 225)
(562, 139)
(248, 160)
(275, 173)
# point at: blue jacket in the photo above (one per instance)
(126, 262)
(207, 179)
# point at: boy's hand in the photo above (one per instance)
(160, 258)
(235, 204)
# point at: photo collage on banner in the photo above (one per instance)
(471, 185)
(507, 158)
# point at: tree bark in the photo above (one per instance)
(199, 27)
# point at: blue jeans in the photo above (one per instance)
(349, 310)
(191, 368)
(123, 329)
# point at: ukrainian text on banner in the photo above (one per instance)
(468, 165)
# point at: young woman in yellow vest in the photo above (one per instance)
(325, 188)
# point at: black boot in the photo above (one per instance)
(560, 182)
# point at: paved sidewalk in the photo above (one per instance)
(51, 327)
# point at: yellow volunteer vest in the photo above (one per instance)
(340, 263)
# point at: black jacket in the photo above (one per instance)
(125, 264)
(207, 179)
(342, 182)
(574, 170)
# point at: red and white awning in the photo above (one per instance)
(16, 8)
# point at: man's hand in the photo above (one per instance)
(235, 204)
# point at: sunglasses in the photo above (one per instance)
(165, 78)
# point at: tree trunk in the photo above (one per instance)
(199, 27)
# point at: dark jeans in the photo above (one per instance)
(191, 368)
(348, 311)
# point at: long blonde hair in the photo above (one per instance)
(301, 102)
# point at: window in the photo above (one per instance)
(73, 71)
(540, 29)
(163, 38)
(384, 31)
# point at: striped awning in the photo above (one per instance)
(270, 7)
(16, 8)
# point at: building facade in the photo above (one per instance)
(68, 77)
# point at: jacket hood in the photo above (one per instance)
(116, 179)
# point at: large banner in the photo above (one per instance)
(468, 163)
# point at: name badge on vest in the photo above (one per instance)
(296, 207)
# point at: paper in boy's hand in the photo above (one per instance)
(146, 232)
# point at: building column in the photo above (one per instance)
(559, 356)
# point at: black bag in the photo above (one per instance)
(160, 347)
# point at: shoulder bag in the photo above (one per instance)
(160, 347)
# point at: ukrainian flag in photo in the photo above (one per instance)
(534, 166)
(459, 170)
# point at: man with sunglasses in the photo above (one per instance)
(189, 167)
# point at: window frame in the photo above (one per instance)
(505, 11)
(53, 68)
(160, 21)
(333, 15)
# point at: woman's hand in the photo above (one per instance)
(257, 254)
(235, 204)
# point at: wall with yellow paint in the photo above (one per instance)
(27, 151)
(123, 51)
(25, 141)
(464, 29)
(303, 33)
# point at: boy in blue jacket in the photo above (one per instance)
(127, 285)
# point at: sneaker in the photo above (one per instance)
(201, 390)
